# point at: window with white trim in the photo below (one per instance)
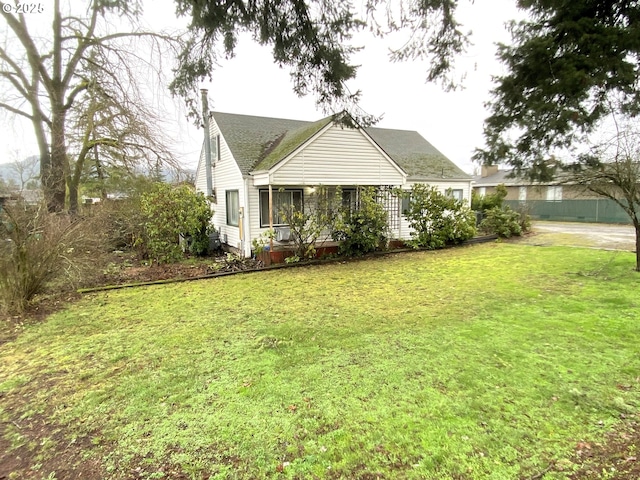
(215, 149)
(554, 193)
(522, 194)
(404, 204)
(233, 207)
(280, 200)
(456, 193)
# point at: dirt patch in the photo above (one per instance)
(127, 269)
(35, 448)
(617, 457)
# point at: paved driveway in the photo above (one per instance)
(598, 235)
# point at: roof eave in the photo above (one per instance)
(418, 178)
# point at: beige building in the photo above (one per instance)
(550, 201)
(523, 190)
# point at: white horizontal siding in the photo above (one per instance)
(226, 176)
(339, 156)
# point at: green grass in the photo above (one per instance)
(486, 362)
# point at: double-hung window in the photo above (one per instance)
(281, 200)
(404, 204)
(350, 199)
(215, 149)
(233, 208)
(554, 193)
(455, 193)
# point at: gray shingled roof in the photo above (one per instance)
(420, 159)
(506, 177)
(258, 143)
(501, 176)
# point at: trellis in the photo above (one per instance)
(387, 197)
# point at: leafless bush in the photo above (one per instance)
(119, 221)
(39, 249)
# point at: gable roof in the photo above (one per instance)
(289, 142)
(258, 143)
(415, 154)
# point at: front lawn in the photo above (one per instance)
(486, 362)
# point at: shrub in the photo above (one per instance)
(363, 229)
(121, 222)
(38, 248)
(437, 219)
(170, 212)
(503, 222)
(311, 223)
(482, 203)
(524, 219)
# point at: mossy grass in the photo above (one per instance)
(490, 361)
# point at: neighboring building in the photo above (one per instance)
(29, 196)
(4, 198)
(553, 200)
(261, 161)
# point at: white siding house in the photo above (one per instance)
(257, 158)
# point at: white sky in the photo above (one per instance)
(251, 84)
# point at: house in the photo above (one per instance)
(259, 163)
(555, 200)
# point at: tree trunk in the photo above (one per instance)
(55, 184)
(45, 158)
(73, 181)
(636, 224)
(100, 173)
(73, 194)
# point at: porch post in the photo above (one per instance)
(270, 219)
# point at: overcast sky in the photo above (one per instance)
(251, 84)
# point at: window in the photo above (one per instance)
(233, 207)
(215, 149)
(455, 193)
(554, 193)
(522, 194)
(280, 199)
(406, 199)
(482, 191)
(349, 199)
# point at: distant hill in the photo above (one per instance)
(30, 168)
(9, 172)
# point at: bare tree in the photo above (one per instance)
(612, 170)
(114, 129)
(46, 79)
(27, 171)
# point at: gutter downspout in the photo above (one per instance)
(207, 142)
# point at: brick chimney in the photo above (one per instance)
(488, 170)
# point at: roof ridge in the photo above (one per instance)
(214, 112)
(391, 129)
